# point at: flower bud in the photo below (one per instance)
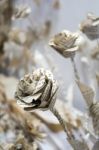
(36, 90)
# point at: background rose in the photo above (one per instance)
(66, 43)
(90, 26)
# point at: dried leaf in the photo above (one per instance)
(93, 107)
(87, 92)
(78, 145)
(94, 112)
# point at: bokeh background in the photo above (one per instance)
(51, 17)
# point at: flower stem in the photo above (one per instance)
(75, 69)
(61, 120)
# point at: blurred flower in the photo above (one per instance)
(56, 4)
(21, 12)
(36, 90)
(90, 26)
(66, 43)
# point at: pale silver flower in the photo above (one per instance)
(36, 90)
(66, 43)
(90, 26)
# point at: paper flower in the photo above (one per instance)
(65, 43)
(90, 26)
(36, 90)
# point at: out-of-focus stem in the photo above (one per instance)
(75, 69)
(98, 43)
(5, 21)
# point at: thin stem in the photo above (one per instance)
(75, 69)
(61, 120)
(98, 43)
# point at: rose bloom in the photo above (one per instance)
(66, 43)
(36, 90)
